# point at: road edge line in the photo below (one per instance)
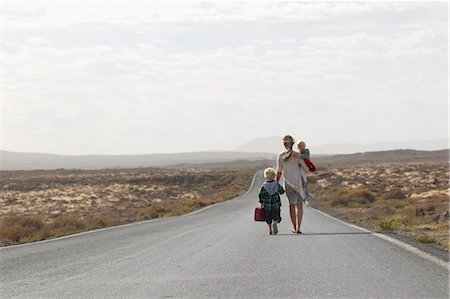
(222, 202)
(403, 245)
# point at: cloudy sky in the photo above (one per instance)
(140, 77)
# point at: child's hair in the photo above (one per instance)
(300, 143)
(270, 173)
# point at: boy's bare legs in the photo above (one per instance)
(299, 216)
(293, 217)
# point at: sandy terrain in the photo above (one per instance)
(411, 198)
(41, 204)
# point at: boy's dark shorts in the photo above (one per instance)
(272, 215)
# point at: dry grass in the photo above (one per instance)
(392, 223)
(410, 198)
(351, 197)
(425, 238)
(36, 205)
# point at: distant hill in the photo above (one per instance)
(31, 161)
(441, 156)
(274, 145)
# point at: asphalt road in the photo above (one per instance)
(220, 252)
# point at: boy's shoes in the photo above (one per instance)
(275, 229)
(270, 233)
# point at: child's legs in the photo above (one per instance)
(277, 216)
(268, 216)
(307, 195)
(303, 175)
(276, 219)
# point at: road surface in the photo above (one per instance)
(220, 252)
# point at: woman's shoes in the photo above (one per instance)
(296, 231)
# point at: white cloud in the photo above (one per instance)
(41, 15)
(182, 88)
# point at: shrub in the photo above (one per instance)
(392, 223)
(18, 229)
(101, 220)
(198, 203)
(153, 214)
(394, 194)
(68, 223)
(425, 238)
(340, 201)
(346, 196)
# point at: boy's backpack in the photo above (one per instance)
(310, 165)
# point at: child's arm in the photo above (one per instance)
(302, 164)
(306, 154)
(260, 195)
(280, 189)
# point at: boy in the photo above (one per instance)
(269, 197)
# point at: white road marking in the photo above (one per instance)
(399, 243)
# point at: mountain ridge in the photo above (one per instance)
(10, 161)
(33, 161)
(274, 144)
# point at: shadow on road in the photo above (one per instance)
(325, 234)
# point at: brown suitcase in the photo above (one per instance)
(259, 214)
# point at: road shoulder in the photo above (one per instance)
(434, 251)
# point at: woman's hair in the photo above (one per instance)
(288, 141)
(270, 173)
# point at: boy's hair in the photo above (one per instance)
(301, 142)
(270, 173)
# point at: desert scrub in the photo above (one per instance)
(395, 193)
(425, 238)
(392, 223)
(71, 201)
(23, 228)
(351, 197)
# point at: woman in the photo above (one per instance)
(288, 165)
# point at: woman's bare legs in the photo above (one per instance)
(296, 213)
(293, 217)
(299, 216)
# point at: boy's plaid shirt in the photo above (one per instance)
(270, 202)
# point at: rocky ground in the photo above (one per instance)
(407, 198)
